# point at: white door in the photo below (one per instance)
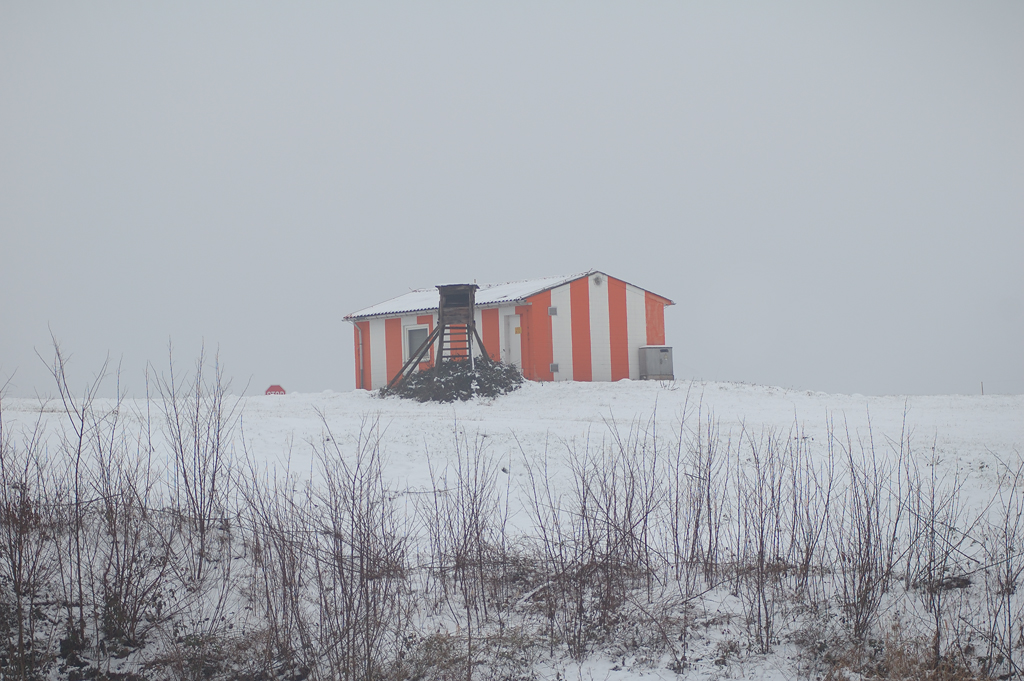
(513, 350)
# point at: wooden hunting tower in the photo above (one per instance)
(454, 332)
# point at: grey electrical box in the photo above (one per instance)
(656, 363)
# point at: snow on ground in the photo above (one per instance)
(970, 433)
(973, 437)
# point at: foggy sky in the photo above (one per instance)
(833, 195)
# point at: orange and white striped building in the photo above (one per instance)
(584, 327)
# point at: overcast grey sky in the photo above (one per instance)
(832, 194)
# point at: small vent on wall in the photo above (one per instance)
(552, 311)
(598, 280)
(554, 368)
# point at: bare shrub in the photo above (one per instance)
(199, 417)
(761, 516)
(74, 550)
(466, 532)
(560, 593)
(812, 485)
(630, 496)
(26, 557)
(938, 532)
(697, 477)
(105, 544)
(359, 564)
(135, 540)
(866, 526)
(1002, 629)
(596, 543)
(566, 561)
(281, 540)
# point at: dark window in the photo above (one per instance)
(416, 338)
(456, 300)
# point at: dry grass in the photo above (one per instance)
(898, 657)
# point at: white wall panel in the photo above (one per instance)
(600, 331)
(561, 332)
(478, 319)
(636, 327)
(378, 355)
(503, 312)
(433, 325)
(407, 321)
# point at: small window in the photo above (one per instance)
(415, 336)
(456, 300)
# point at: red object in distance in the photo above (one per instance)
(274, 390)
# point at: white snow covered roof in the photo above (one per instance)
(425, 299)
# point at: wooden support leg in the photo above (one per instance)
(414, 359)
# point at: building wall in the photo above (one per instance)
(655, 311)
(600, 329)
(525, 313)
(538, 354)
(618, 329)
(636, 327)
(561, 332)
(493, 330)
(490, 331)
(378, 354)
(362, 352)
(384, 343)
(597, 331)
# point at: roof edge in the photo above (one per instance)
(524, 298)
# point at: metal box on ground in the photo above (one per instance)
(656, 363)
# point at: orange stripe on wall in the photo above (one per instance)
(393, 346)
(579, 302)
(457, 338)
(655, 309)
(524, 342)
(490, 334)
(661, 299)
(428, 360)
(617, 323)
(542, 354)
(364, 334)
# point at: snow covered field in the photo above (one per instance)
(972, 440)
(970, 433)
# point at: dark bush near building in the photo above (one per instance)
(450, 381)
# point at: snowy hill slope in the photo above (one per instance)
(969, 433)
(617, 443)
(967, 429)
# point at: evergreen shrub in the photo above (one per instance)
(458, 380)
